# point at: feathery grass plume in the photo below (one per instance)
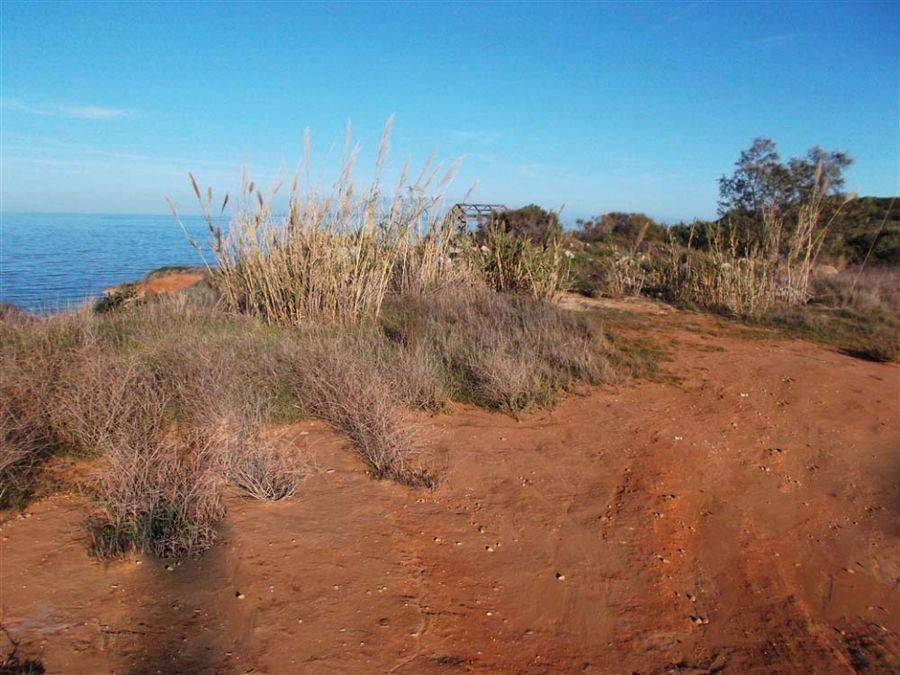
(333, 256)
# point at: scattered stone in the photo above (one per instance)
(489, 549)
(560, 577)
(239, 595)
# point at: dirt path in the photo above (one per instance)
(740, 514)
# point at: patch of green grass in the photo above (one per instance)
(873, 335)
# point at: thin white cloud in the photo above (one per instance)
(94, 112)
(480, 137)
(677, 15)
(767, 41)
(84, 112)
(534, 169)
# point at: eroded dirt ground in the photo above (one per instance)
(738, 514)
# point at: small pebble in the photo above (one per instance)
(239, 595)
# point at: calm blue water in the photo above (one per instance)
(54, 261)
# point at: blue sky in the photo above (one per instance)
(591, 106)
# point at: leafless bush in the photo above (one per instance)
(336, 383)
(417, 376)
(507, 352)
(34, 357)
(160, 495)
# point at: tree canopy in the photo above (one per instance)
(761, 179)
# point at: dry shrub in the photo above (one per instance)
(175, 397)
(335, 382)
(871, 289)
(856, 310)
(161, 495)
(416, 376)
(260, 471)
(234, 419)
(34, 356)
(105, 395)
(23, 438)
(505, 352)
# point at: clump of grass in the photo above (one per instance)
(874, 336)
(608, 271)
(510, 263)
(505, 352)
(262, 472)
(331, 257)
(749, 277)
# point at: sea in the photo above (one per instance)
(51, 262)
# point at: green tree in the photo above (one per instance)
(533, 222)
(761, 180)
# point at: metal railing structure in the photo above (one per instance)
(470, 216)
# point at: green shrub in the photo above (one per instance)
(514, 264)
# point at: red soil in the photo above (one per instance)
(738, 515)
(169, 283)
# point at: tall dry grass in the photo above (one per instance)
(331, 256)
(335, 255)
(750, 275)
(510, 263)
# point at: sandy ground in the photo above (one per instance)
(739, 514)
